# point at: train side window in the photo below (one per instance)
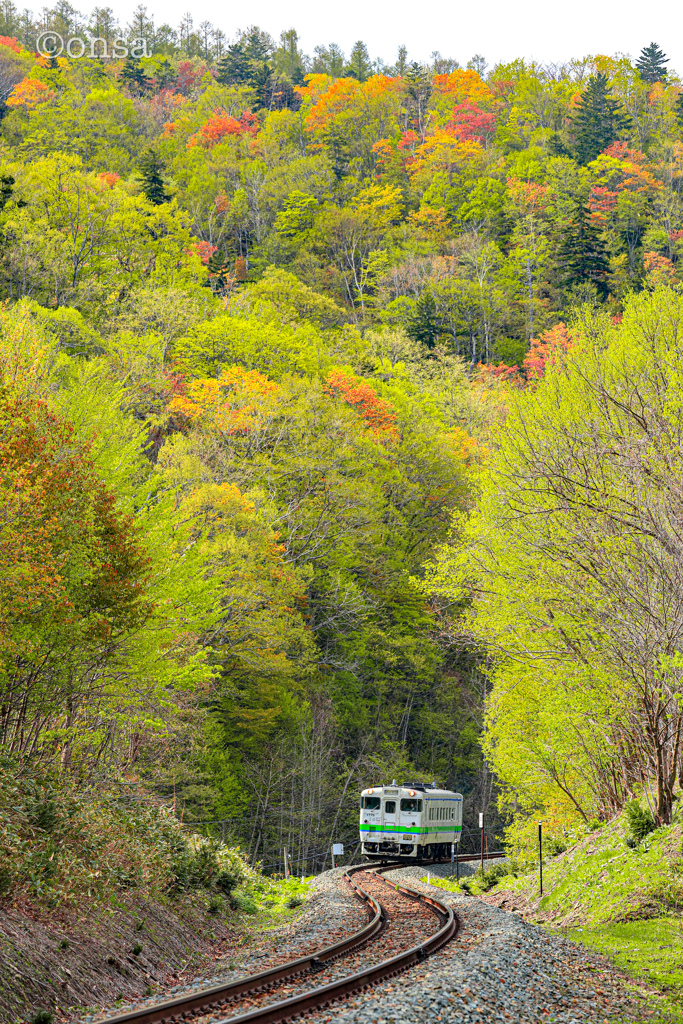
(371, 803)
(390, 807)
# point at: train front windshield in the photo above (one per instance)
(370, 803)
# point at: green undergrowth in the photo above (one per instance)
(601, 879)
(618, 891)
(61, 846)
(478, 883)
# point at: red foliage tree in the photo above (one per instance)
(472, 124)
(545, 349)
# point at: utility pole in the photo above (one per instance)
(286, 864)
(540, 854)
(481, 826)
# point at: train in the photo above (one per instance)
(415, 821)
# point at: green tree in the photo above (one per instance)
(580, 253)
(584, 643)
(151, 170)
(359, 65)
(651, 63)
(234, 68)
(598, 119)
(133, 76)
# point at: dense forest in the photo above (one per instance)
(274, 329)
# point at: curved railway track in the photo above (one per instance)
(220, 1002)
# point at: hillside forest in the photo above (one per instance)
(339, 428)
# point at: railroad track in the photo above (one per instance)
(219, 1002)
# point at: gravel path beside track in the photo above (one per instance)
(498, 969)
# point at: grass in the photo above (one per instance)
(650, 951)
(600, 880)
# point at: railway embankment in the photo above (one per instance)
(104, 900)
(501, 966)
(616, 893)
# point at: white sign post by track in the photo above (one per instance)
(337, 851)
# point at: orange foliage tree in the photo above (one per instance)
(546, 349)
(221, 125)
(73, 575)
(10, 43)
(232, 403)
(29, 93)
(377, 414)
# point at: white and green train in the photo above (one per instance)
(415, 821)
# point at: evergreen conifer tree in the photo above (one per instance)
(234, 68)
(598, 120)
(6, 190)
(133, 76)
(651, 63)
(360, 65)
(151, 169)
(422, 322)
(581, 253)
(263, 82)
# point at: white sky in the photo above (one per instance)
(498, 29)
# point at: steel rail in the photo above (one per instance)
(317, 998)
(217, 997)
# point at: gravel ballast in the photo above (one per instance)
(499, 968)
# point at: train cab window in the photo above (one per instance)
(411, 805)
(390, 807)
(370, 803)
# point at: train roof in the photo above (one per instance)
(409, 787)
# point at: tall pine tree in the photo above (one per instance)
(359, 65)
(580, 252)
(598, 120)
(235, 67)
(651, 63)
(151, 169)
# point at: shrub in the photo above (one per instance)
(492, 875)
(43, 814)
(5, 880)
(240, 900)
(227, 880)
(639, 821)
